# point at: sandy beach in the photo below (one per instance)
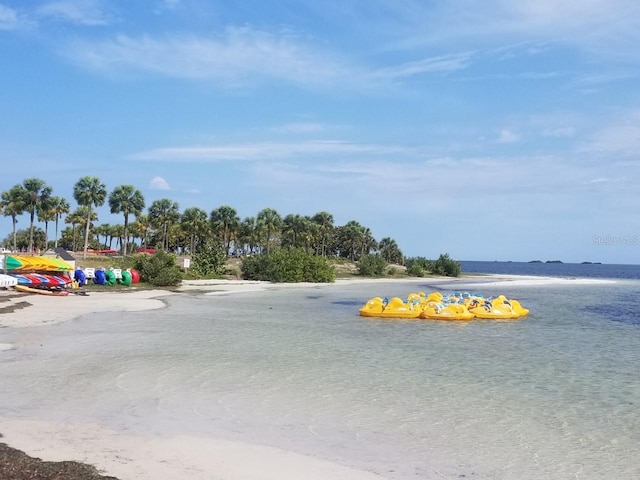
(36, 310)
(128, 456)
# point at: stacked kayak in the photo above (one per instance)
(33, 274)
(42, 291)
(436, 306)
(7, 281)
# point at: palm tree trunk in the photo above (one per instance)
(126, 236)
(56, 242)
(15, 238)
(46, 236)
(86, 233)
(31, 233)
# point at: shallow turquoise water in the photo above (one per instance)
(553, 396)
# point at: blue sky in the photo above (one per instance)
(491, 130)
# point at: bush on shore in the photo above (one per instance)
(372, 265)
(159, 269)
(209, 262)
(287, 266)
(444, 265)
(418, 266)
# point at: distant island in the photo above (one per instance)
(560, 261)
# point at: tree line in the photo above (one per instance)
(163, 226)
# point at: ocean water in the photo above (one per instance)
(577, 270)
(553, 396)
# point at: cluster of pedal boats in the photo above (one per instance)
(439, 306)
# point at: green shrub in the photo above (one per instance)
(418, 266)
(159, 269)
(287, 266)
(208, 261)
(446, 266)
(372, 265)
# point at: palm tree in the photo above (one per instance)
(77, 217)
(271, 221)
(162, 214)
(141, 228)
(116, 231)
(13, 205)
(324, 220)
(248, 234)
(352, 238)
(126, 199)
(194, 224)
(225, 223)
(309, 233)
(36, 193)
(103, 229)
(390, 251)
(46, 214)
(293, 229)
(89, 192)
(368, 243)
(61, 207)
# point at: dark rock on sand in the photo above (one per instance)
(16, 465)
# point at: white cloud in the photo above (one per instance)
(300, 128)
(166, 5)
(621, 137)
(440, 64)
(244, 56)
(609, 29)
(80, 12)
(159, 183)
(268, 151)
(170, 4)
(508, 136)
(559, 132)
(8, 18)
(239, 57)
(599, 180)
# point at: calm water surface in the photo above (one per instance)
(553, 396)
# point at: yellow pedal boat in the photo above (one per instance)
(394, 308)
(438, 311)
(493, 310)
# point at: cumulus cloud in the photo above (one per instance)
(159, 183)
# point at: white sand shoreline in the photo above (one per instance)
(129, 457)
(48, 310)
(180, 457)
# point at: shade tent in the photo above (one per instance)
(21, 263)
